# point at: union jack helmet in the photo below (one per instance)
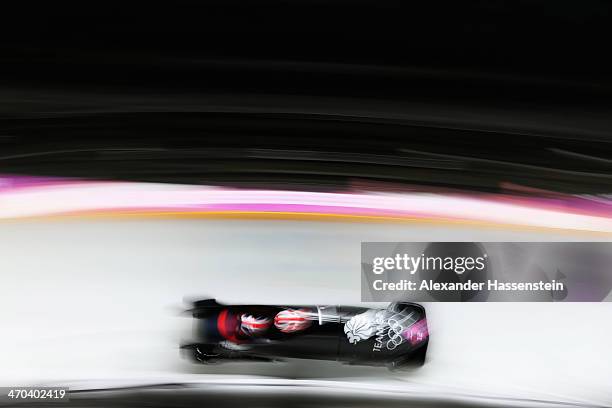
(293, 320)
(252, 325)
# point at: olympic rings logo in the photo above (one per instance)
(396, 328)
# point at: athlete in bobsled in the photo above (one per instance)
(394, 337)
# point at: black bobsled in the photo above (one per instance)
(396, 336)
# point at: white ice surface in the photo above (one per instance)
(99, 300)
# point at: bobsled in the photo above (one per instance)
(395, 337)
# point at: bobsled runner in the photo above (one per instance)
(396, 336)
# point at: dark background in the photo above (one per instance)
(473, 95)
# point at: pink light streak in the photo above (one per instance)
(31, 197)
